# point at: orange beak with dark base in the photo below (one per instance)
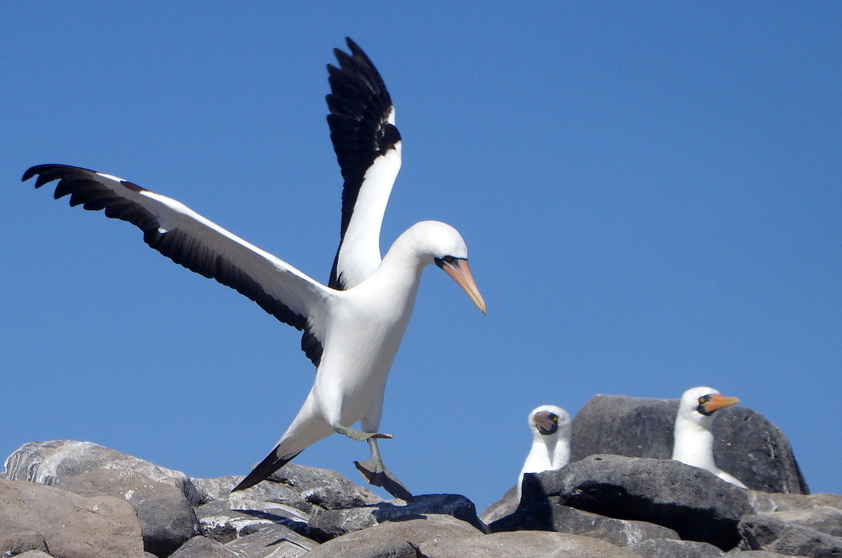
(459, 271)
(715, 402)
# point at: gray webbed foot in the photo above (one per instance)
(383, 477)
(377, 474)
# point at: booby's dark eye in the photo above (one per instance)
(554, 418)
(448, 259)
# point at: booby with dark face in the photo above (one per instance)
(551, 431)
(352, 327)
(693, 443)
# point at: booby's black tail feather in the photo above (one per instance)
(263, 470)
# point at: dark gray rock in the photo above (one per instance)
(763, 532)
(764, 502)
(824, 519)
(275, 541)
(166, 518)
(223, 524)
(564, 519)
(755, 554)
(201, 547)
(672, 548)
(746, 444)
(502, 507)
(535, 544)
(621, 504)
(692, 501)
(308, 489)
(13, 543)
(51, 462)
(72, 526)
(328, 524)
(400, 539)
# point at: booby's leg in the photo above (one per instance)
(359, 435)
(377, 474)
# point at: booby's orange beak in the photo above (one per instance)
(716, 401)
(459, 271)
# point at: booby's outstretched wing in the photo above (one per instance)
(368, 149)
(200, 245)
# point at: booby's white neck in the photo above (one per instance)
(694, 442)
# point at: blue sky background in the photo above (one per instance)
(650, 195)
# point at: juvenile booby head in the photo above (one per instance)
(551, 432)
(693, 443)
(352, 327)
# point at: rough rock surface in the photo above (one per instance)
(166, 518)
(538, 544)
(746, 444)
(51, 462)
(227, 520)
(201, 547)
(600, 506)
(328, 524)
(671, 548)
(564, 519)
(275, 541)
(72, 526)
(13, 543)
(764, 532)
(502, 507)
(304, 488)
(695, 503)
(396, 539)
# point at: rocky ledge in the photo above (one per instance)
(78, 499)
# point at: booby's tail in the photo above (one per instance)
(306, 429)
(266, 467)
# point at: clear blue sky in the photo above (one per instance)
(650, 195)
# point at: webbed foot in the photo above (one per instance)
(378, 475)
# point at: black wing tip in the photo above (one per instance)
(352, 46)
(30, 172)
(263, 471)
(42, 171)
(53, 171)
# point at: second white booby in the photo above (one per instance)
(352, 335)
(551, 429)
(693, 443)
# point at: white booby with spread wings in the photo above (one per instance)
(693, 443)
(353, 327)
(551, 431)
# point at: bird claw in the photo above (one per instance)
(384, 479)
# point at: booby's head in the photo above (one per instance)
(549, 420)
(439, 243)
(698, 404)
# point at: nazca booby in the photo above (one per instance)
(551, 431)
(693, 443)
(352, 328)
